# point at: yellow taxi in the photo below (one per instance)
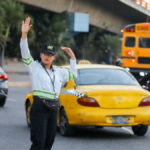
(101, 95)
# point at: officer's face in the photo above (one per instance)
(47, 59)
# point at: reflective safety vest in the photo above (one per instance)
(41, 83)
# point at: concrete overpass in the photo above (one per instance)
(112, 15)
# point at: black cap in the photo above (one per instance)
(48, 48)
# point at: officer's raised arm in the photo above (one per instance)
(25, 53)
(72, 73)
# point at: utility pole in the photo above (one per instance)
(1, 56)
(147, 19)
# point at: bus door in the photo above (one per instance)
(129, 50)
(143, 44)
(143, 50)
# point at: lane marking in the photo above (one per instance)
(9, 99)
(128, 130)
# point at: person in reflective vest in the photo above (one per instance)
(46, 81)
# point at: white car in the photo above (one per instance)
(3, 87)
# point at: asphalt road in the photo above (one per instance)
(15, 135)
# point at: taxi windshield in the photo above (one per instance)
(100, 76)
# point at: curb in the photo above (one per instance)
(19, 84)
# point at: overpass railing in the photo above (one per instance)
(143, 3)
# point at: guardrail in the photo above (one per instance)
(143, 3)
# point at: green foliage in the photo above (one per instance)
(47, 28)
(114, 42)
(50, 29)
(1, 18)
(92, 45)
(12, 14)
(2, 41)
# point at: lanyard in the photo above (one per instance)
(50, 77)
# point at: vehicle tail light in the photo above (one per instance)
(130, 28)
(5, 77)
(133, 60)
(129, 53)
(86, 101)
(127, 30)
(145, 102)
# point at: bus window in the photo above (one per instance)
(144, 42)
(130, 42)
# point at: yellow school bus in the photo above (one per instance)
(136, 47)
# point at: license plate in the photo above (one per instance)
(120, 120)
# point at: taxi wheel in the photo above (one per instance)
(2, 102)
(28, 114)
(140, 130)
(65, 128)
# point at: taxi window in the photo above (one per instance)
(144, 42)
(130, 42)
(104, 77)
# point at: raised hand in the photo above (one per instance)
(26, 25)
(69, 52)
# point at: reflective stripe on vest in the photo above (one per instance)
(44, 94)
(28, 60)
(70, 76)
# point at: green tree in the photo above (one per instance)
(2, 42)
(13, 14)
(50, 28)
(92, 45)
(114, 42)
(88, 46)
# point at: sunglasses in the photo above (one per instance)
(48, 54)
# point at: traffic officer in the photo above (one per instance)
(46, 84)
